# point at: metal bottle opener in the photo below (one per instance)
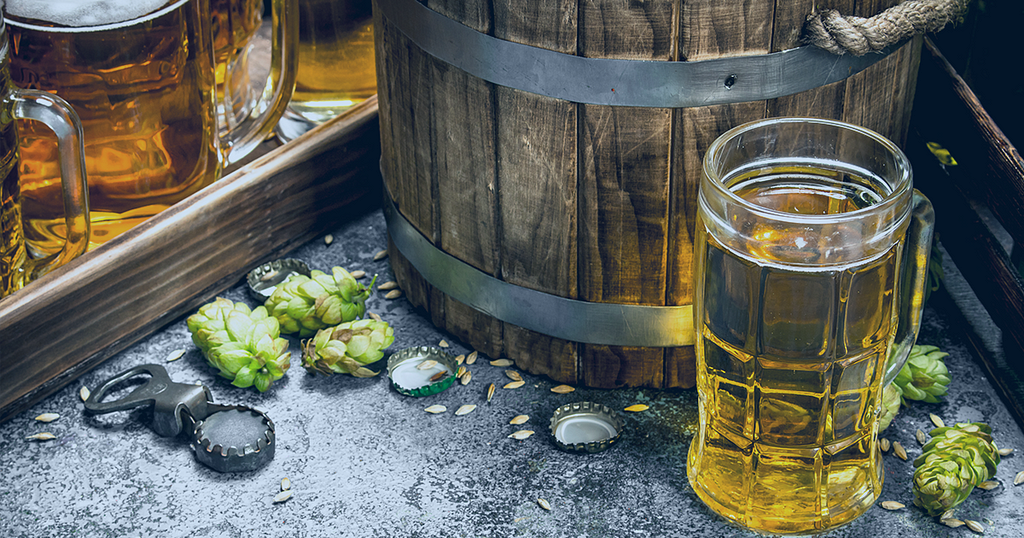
(226, 438)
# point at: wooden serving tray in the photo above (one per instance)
(69, 321)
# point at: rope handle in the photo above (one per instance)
(840, 34)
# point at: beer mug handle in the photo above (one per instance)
(241, 139)
(913, 279)
(58, 115)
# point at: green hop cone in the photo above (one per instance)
(243, 344)
(891, 397)
(345, 349)
(306, 304)
(924, 377)
(955, 461)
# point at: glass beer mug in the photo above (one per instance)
(16, 267)
(140, 74)
(336, 63)
(810, 263)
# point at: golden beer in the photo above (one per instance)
(798, 315)
(143, 89)
(336, 59)
(12, 243)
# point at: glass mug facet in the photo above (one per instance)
(142, 82)
(16, 267)
(809, 265)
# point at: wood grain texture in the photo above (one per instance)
(624, 185)
(537, 190)
(464, 119)
(67, 322)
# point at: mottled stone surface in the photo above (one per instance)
(366, 461)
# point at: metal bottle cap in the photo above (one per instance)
(585, 427)
(411, 381)
(263, 280)
(234, 439)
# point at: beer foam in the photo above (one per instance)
(83, 13)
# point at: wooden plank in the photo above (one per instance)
(67, 322)
(709, 29)
(404, 83)
(966, 129)
(624, 185)
(823, 102)
(537, 159)
(466, 172)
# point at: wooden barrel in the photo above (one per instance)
(586, 201)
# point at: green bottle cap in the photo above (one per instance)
(411, 375)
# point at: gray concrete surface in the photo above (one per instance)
(366, 461)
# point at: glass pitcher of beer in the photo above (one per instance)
(141, 75)
(16, 267)
(810, 263)
(336, 63)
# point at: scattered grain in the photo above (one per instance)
(442, 343)
(1005, 451)
(175, 355)
(952, 522)
(936, 420)
(393, 294)
(471, 358)
(84, 393)
(513, 375)
(375, 316)
(268, 276)
(328, 239)
(42, 436)
(921, 437)
(48, 417)
(283, 496)
(462, 370)
(893, 505)
(898, 449)
(435, 409)
(501, 362)
(389, 285)
(465, 410)
(358, 273)
(466, 377)
(380, 255)
(883, 443)
(460, 359)
(636, 408)
(544, 504)
(490, 392)
(439, 376)
(286, 484)
(1019, 479)
(519, 419)
(974, 526)
(426, 365)
(562, 389)
(989, 485)
(514, 385)
(521, 434)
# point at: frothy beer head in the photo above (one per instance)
(81, 13)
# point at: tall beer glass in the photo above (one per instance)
(16, 267)
(336, 63)
(810, 265)
(140, 74)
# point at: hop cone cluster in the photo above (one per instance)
(955, 461)
(924, 377)
(891, 398)
(345, 349)
(306, 304)
(243, 344)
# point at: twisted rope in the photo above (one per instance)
(858, 35)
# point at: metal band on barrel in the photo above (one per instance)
(603, 81)
(568, 319)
